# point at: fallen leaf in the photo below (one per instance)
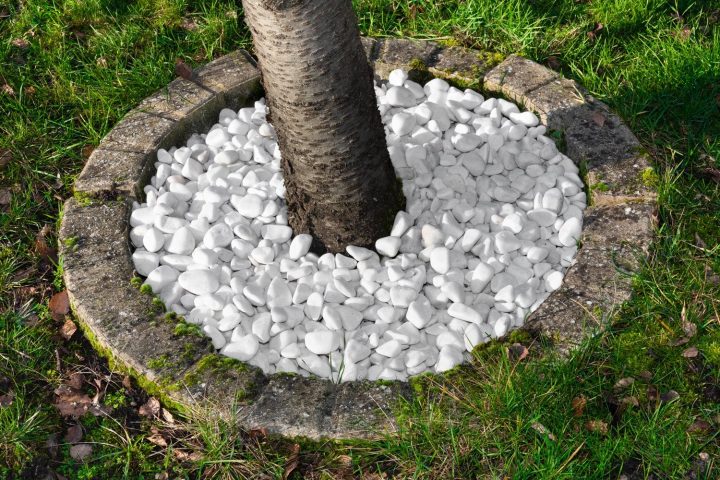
(46, 253)
(623, 383)
(74, 434)
(597, 426)
(157, 439)
(689, 328)
(101, 62)
(292, 461)
(5, 157)
(29, 90)
(517, 352)
(542, 429)
(183, 70)
(151, 408)
(592, 35)
(553, 62)
(652, 393)
(691, 352)
(76, 381)
(7, 399)
(5, 196)
(20, 43)
(669, 396)
(188, 24)
(68, 329)
(73, 403)
(86, 151)
(167, 416)
(127, 383)
(630, 401)
(7, 90)
(184, 456)
(699, 426)
(59, 305)
(80, 451)
(258, 433)
(599, 118)
(578, 405)
(679, 341)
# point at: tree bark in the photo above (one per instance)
(340, 183)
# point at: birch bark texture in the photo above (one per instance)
(340, 183)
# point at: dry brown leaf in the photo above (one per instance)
(68, 329)
(258, 433)
(631, 400)
(5, 157)
(517, 352)
(691, 352)
(81, 451)
(578, 405)
(86, 151)
(185, 456)
(59, 305)
(73, 403)
(599, 118)
(167, 416)
(669, 396)
(624, 383)
(46, 253)
(553, 62)
(7, 399)
(542, 429)
(74, 434)
(689, 328)
(157, 439)
(183, 70)
(5, 196)
(20, 43)
(597, 426)
(76, 381)
(7, 90)
(292, 461)
(151, 408)
(699, 426)
(127, 383)
(679, 341)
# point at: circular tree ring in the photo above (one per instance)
(172, 361)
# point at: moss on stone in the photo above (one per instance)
(83, 198)
(184, 329)
(157, 388)
(650, 178)
(146, 289)
(158, 363)
(71, 242)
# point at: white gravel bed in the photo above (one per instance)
(492, 220)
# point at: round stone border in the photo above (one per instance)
(174, 361)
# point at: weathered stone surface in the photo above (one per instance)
(615, 239)
(598, 137)
(234, 75)
(97, 273)
(412, 55)
(114, 171)
(123, 324)
(463, 65)
(516, 76)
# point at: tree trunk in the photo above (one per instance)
(340, 183)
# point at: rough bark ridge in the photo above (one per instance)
(340, 183)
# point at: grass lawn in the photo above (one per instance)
(637, 401)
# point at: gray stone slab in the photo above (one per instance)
(412, 55)
(516, 76)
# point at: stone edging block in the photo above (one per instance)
(178, 364)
